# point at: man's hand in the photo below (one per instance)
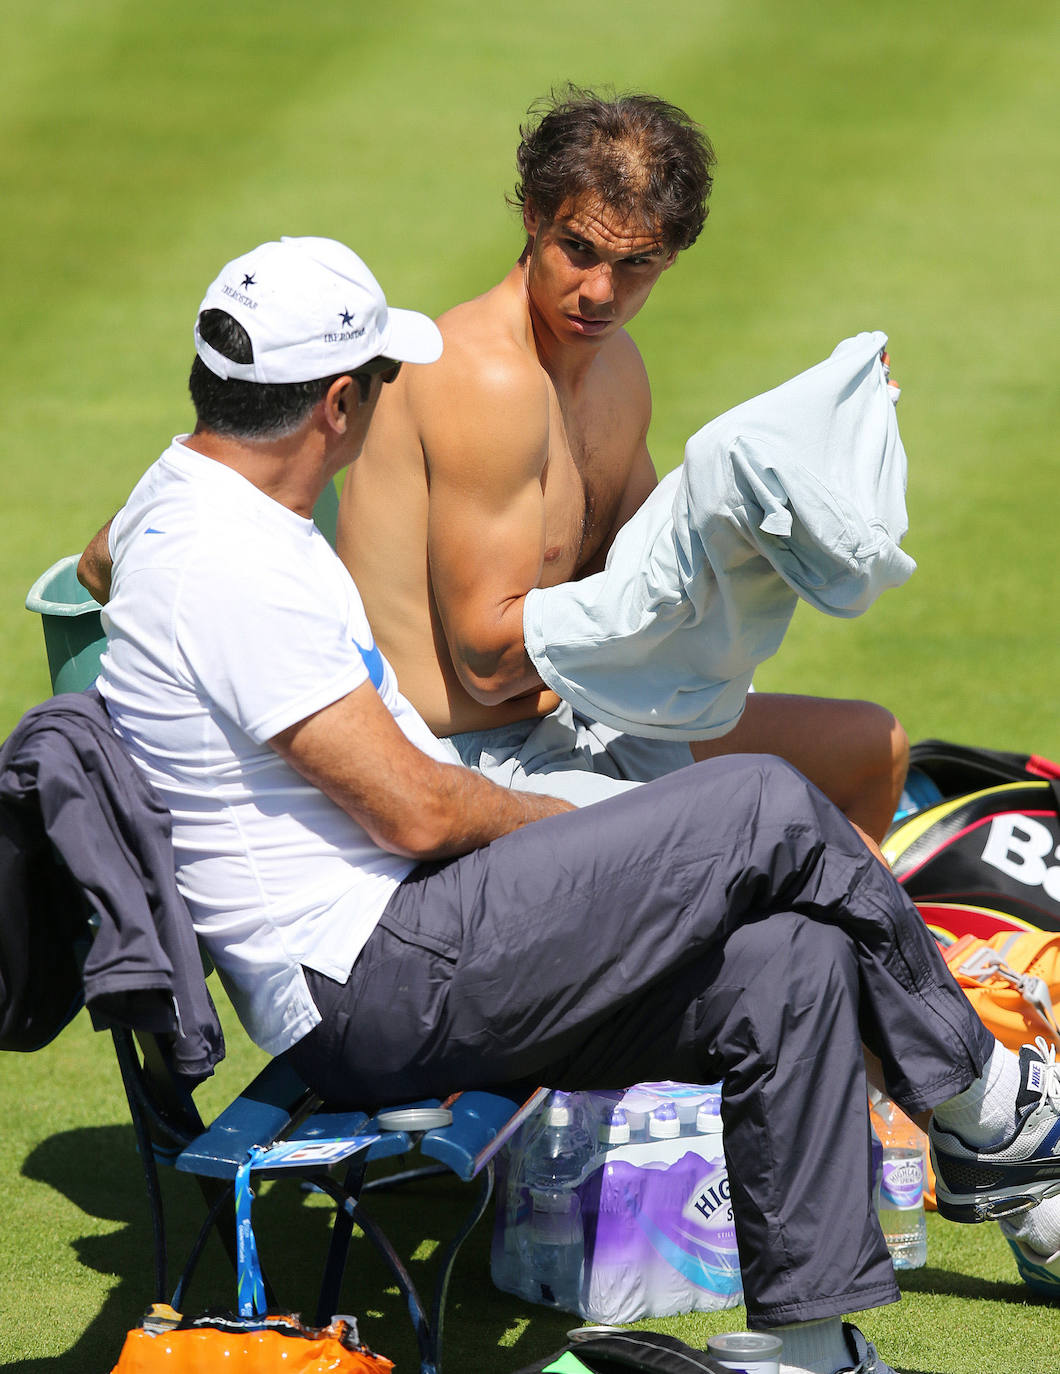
(95, 566)
(409, 803)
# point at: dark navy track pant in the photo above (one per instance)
(724, 922)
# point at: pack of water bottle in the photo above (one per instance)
(615, 1206)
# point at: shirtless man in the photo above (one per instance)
(511, 463)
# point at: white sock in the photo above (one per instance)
(1039, 1229)
(985, 1113)
(813, 1347)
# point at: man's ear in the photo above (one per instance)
(531, 219)
(341, 400)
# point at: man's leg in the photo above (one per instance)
(855, 751)
(566, 755)
(588, 945)
(773, 1013)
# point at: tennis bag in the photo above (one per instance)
(957, 769)
(995, 850)
(610, 1350)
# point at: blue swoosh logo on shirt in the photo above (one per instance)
(151, 530)
(373, 661)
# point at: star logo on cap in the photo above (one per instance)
(346, 317)
(248, 280)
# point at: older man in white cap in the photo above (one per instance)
(393, 924)
(232, 626)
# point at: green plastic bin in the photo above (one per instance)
(73, 630)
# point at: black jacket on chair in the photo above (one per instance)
(84, 835)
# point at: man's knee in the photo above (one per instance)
(816, 956)
(885, 744)
(785, 985)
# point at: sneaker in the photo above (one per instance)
(1041, 1273)
(863, 1352)
(1009, 1178)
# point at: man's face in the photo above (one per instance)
(589, 270)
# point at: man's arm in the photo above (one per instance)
(485, 434)
(409, 803)
(94, 568)
(484, 425)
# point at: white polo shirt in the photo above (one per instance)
(231, 619)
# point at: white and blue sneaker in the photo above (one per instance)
(1011, 1177)
(1041, 1273)
(863, 1352)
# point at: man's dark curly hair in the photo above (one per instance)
(638, 155)
(246, 410)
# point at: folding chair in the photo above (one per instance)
(276, 1105)
(460, 1136)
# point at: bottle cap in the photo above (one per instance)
(708, 1118)
(615, 1130)
(664, 1123)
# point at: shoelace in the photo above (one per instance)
(1050, 1090)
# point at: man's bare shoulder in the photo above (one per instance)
(624, 367)
(487, 379)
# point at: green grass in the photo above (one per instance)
(74, 1258)
(889, 167)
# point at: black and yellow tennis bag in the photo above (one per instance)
(957, 769)
(996, 849)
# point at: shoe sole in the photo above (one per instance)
(968, 1209)
(1041, 1281)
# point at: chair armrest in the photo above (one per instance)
(478, 1130)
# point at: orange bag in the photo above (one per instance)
(257, 1345)
(1012, 979)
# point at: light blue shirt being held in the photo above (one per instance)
(799, 492)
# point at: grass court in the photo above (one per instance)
(893, 167)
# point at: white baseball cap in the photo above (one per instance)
(312, 309)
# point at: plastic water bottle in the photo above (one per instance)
(901, 1204)
(555, 1162)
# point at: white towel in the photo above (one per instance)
(798, 492)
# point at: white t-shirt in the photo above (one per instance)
(231, 619)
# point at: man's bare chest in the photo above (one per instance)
(583, 482)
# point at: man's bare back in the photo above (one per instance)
(512, 461)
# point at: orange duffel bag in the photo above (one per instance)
(1012, 979)
(256, 1345)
